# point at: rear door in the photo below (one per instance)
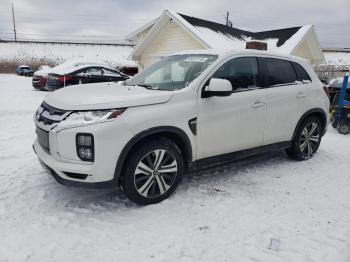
(285, 100)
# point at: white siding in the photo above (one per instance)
(303, 51)
(142, 35)
(172, 38)
(309, 48)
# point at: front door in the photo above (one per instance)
(235, 122)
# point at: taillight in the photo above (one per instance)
(63, 78)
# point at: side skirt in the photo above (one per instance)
(230, 157)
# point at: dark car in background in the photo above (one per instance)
(24, 70)
(82, 74)
(40, 78)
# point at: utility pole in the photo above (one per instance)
(227, 18)
(14, 23)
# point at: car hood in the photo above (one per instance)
(105, 96)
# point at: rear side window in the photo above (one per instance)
(107, 72)
(241, 72)
(280, 72)
(302, 74)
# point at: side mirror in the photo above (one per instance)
(218, 87)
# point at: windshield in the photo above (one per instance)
(173, 72)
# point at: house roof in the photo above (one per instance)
(215, 35)
(281, 34)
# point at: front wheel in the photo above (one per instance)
(307, 139)
(153, 172)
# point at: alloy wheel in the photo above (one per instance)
(309, 139)
(155, 173)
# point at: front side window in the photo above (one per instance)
(280, 72)
(241, 72)
(173, 72)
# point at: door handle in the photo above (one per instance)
(257, 104)
(301, 94)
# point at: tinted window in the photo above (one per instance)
(302, 74)
(94, 71)
(280, 72)
(241, 72)
(107, 72)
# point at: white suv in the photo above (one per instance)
(187, 109)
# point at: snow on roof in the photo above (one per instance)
(221, 36)
(337, 58)
(215, 35)
(131, 36)
(71, 66)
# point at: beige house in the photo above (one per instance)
(173, 32)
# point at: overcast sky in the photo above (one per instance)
(112, 20)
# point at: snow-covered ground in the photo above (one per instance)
(23, 53)
(226, 213)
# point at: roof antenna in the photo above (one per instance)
(227, 18)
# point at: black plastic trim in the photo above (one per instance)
(76, 175)
(206, 93)
(152, 131)
(192, 123)
(307, 114)
(92, 147)
(220, 159)
(66, 182)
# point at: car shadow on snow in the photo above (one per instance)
(205, 176)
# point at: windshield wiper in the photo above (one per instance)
(146, 86)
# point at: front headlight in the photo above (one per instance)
(91, 117)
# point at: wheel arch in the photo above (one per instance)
(317, 112)
(175, 134)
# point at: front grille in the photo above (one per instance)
(43, 139)
(48, 116)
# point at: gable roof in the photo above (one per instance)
(219, 36)
(281, 34)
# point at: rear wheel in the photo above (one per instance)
(153, 172)
(307, 139)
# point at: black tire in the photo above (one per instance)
(304, 145)
(344, 127)
(151, 185)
